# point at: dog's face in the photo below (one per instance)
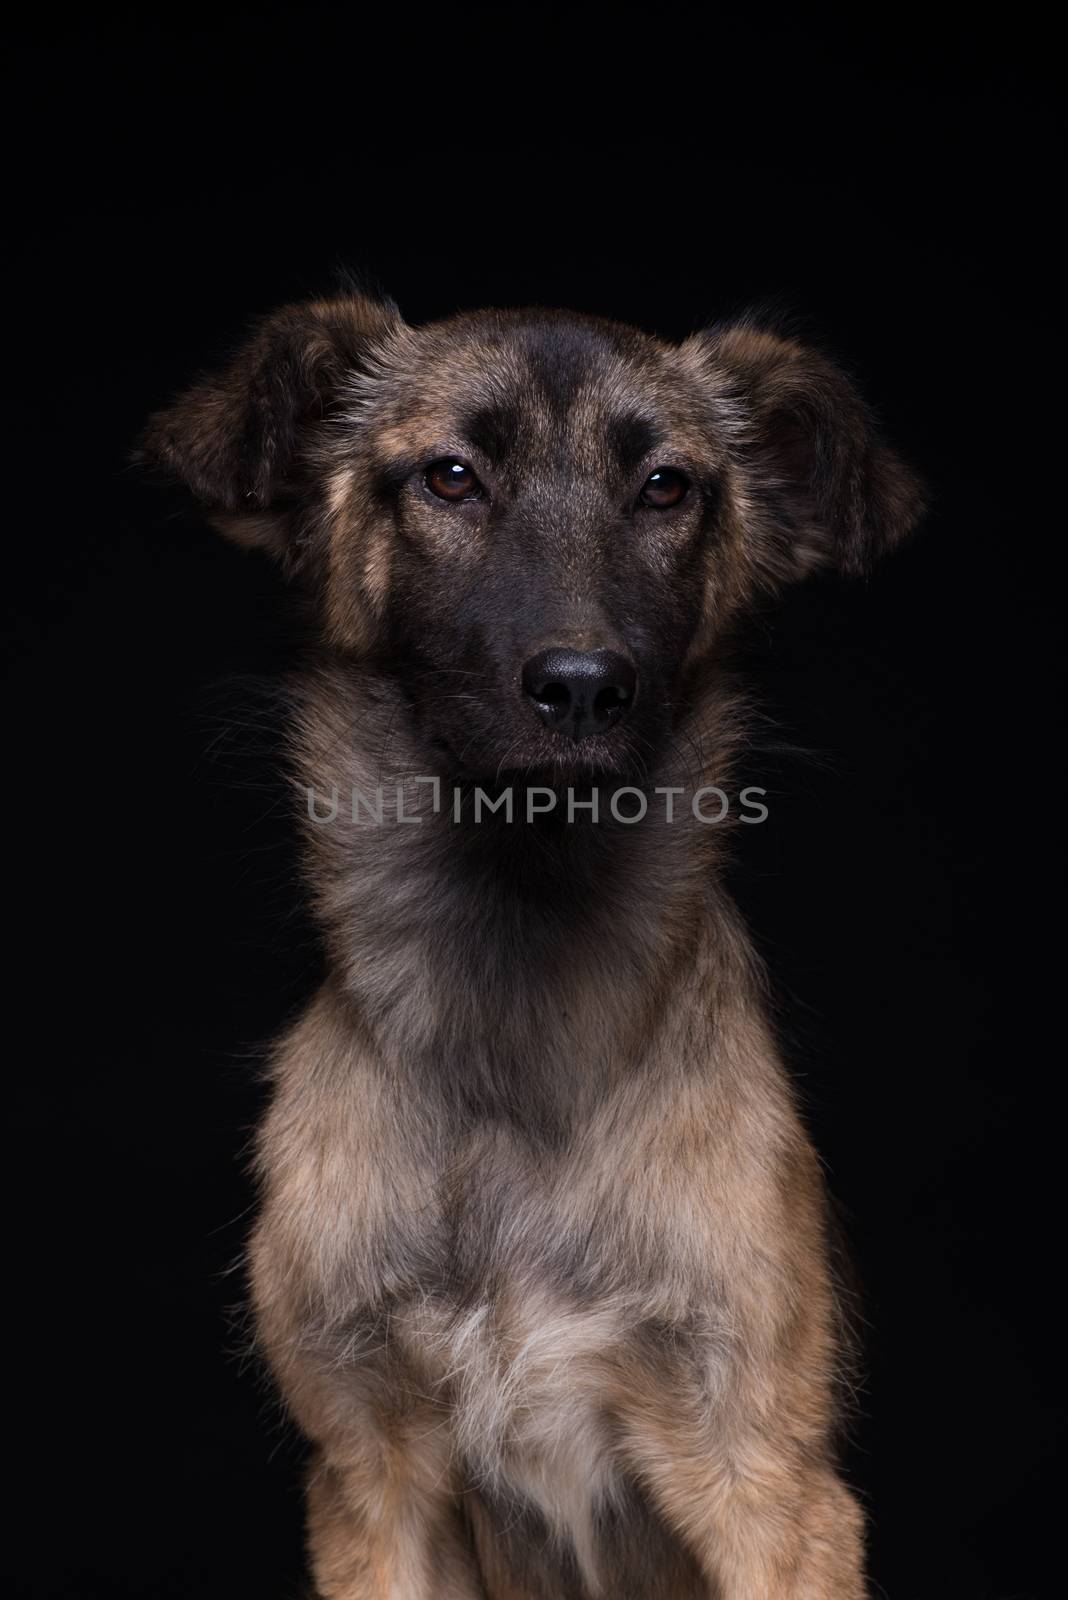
(539, 523)
(550, 493)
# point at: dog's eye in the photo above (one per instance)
(663, 488)
(452, 480)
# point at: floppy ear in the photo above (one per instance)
(832, 492)
(241, 440)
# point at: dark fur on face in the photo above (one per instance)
(316, 445)
(542, 1265)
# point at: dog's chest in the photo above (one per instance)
(519, 1348)
(525, 1376)
(525, 1282)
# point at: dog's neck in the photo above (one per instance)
(516, 947)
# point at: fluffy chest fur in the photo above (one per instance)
(533, 1340)
(522, 1378)
(524, 1292)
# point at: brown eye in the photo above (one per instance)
(452, 480)
(663, 488)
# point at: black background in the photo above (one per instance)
(174, 179)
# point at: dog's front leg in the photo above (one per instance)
(382, 1526)
(765, 1519)
(384, 1517)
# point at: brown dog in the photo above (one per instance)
(541, 1267)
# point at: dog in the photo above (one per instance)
(542, 1265)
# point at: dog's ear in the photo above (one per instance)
(831, 491)
(241, 440)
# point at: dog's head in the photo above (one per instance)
(540, 523)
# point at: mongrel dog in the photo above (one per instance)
(541, 1267)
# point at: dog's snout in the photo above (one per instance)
(580, 692)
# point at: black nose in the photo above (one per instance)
(579, 692)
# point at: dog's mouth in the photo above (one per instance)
(584, 764)
(553, 762)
